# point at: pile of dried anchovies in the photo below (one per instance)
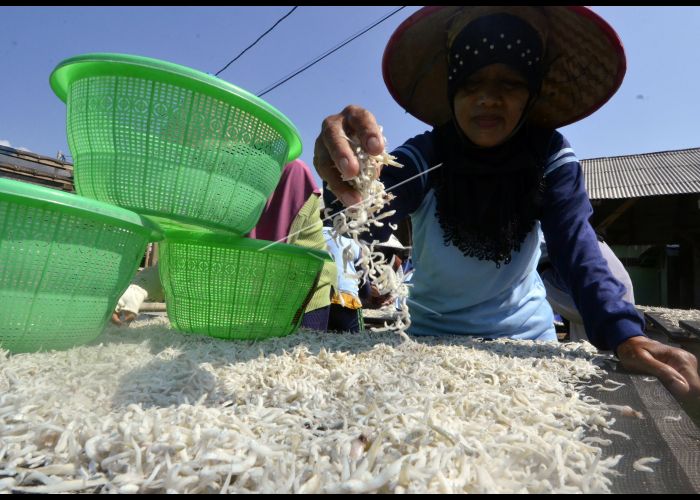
(149, 410)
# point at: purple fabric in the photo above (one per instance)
(294, 189)
(316, 319)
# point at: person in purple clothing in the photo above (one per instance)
(494, 84)
(291, 215)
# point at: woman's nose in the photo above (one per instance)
(487, 97)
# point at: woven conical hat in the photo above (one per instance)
(584, 58)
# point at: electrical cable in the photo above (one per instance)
(323, 56)
(256, 41)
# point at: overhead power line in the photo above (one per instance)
(256, 41)
(326, 54)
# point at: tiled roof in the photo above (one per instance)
(613, 177)
(35, 168)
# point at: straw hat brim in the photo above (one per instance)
(584, 57)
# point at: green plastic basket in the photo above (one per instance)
(236, 288)
(64, 262)
(171, 142)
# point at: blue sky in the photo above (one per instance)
(656, 109)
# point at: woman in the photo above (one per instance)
(495, 83)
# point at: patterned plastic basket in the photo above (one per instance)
(236, 288)
(171, 142)
(64, 262)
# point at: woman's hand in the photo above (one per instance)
(334, 158)
(677, 369)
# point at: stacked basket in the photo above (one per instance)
(198, 158)
(64, 262)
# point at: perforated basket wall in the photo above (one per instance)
(237, 291)
(61, 275)
(169, 152)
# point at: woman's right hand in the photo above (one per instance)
(334, 158)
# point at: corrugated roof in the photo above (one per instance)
(648, 174)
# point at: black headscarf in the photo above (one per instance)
(489, 198)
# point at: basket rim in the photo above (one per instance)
(109, 63)
(43, 197)
(243, 243)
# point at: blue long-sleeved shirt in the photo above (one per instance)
(461, 295)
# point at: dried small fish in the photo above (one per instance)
(597, 440)
(60, 486)
(626, 411)
(640, 464)
(603, 388)
(307, 412)
(359, 446)
(676, 418)
(617, 433)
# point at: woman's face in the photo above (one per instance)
(490, 103)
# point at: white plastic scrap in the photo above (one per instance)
(355, 220)
(148, 410)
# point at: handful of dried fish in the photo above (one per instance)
(357, 219)
(149, 410)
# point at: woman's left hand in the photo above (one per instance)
(675, 368)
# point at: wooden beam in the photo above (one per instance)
(616, 214)
(668, 328)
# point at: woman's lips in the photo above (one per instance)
(487, 121)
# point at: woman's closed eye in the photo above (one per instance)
(472, 87)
